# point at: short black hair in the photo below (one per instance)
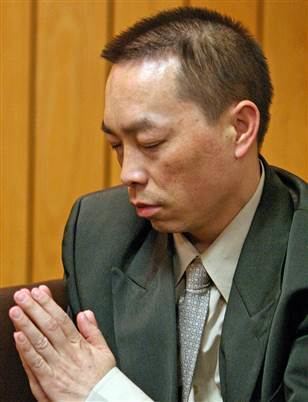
(221, 63)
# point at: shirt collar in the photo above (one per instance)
(221, 258)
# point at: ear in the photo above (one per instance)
(245, 120)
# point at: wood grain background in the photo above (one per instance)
(52, 82)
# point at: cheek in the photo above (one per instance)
(180, 178)
(174, 170)
(186, 164)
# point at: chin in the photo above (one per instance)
(167, 226)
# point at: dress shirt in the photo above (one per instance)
(220, 261)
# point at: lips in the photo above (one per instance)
(146, 210)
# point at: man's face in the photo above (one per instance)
(177, 167)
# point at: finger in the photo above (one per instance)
(45, 289)
(37, 365)
(91, 317)
(36, 389)
(43, 320)
(39, 342)
(90, 331)
(25, 290)
(55, 311)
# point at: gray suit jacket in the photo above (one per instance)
(119, 267)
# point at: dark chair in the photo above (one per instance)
(14, 386)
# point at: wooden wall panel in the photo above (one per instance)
(68, 141)
(286, 45)
(15, 33)
(125, 13)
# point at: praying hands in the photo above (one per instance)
(62, 363)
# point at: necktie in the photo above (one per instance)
(193, 311)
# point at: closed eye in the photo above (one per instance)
(115, 146)
(113, 141)
(151, 145)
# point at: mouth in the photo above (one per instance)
(146, 210)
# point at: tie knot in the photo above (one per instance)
(196, 276)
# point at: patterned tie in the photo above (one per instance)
(193, 311)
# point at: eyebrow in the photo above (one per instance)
(133, 128)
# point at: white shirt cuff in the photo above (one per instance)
(116, 387)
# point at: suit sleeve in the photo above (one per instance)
(296, 374)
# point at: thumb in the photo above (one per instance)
(88, 328)
(91, 317)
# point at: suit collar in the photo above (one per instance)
(255, 291)
(148, 260)
(145, 319)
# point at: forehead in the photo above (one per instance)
(146, 90)
(143, 80)
(139, 73)
(141, 87)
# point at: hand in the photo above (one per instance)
(34, 385)
(61, 363)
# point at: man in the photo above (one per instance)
(187, 108)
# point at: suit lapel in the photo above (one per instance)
(255, 292)
(145, 321)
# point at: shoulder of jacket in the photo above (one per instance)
(107, 200)
(109, 207)
(297, 187)
(106, 195)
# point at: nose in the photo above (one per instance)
(133, 171)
